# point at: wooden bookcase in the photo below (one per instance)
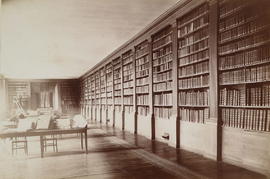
(162, 73)
(244, 64)
(142, 63)
(193, 68)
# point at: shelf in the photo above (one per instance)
(245, 48)
(191, 20)
(246, 107)
(163, 91)
(192, 75)
(164, 106)
(162, 55)
(233, 11)
(195, 42)
(146, 105)
(194, 62)
(161, 46)
(192, 32)
(144, 76)
(245, 83)
(164, 36)
(245, 66)
(239, 24)
(163, 71)
(194, 52)
(141, 55)
(244, 35)
(167, 80)
(193, 106)
(191, 88)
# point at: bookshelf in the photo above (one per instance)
(128, 81)
(117, 84)
(18, 90)
(68, 95)
(109, 85)
(97, 95)
(103, 92)
(193, 65)
(93, 96)
(142, 64)
(162, 73)
(244, 64)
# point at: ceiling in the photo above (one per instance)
(55, 39)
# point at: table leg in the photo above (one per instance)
(81, 140)
(41, 146)
(86, 147)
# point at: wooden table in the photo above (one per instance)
(44, 132)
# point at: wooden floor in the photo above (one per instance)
(112, 154)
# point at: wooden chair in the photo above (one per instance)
(50, 141)
(19, 143)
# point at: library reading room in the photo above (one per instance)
(157, 89)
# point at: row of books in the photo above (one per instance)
(142, 89)
(243, 30)
(197, 68)
(128, 91)
(117, 108)
(117, 80)
(163, 99)
(258, 96)
(142, 73)
(164, 86)
(117, 93)
(162, 41)
(235, 20)
(232, 96)
(128, 100)
(128, 77)
(109, 88)
(248, 42)
(109, 94)
(162, 52)
(143, 99)
(142, 60)
(197, 81)
(162, 67)
(142, 81)
(201, 55)
(250, 119)
(128, 84)
(253, 74)
(117, 86)
(193, 14)
(162, 34)
(230, 7)
(117, 66)
(143, 50)
(199, 98)
(118, 100)
(164, 59)
(128, 109)
(164, 113)
(193, 38)
(128, 67)
(245, 58)
(142, 67)
(127, 60)
(159, 77)
(194, 115)
(143, 110)
(193, 48)
(193, 26)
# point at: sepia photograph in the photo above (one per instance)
(144, 89)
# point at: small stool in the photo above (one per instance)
(19, 143)
(50, 141)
